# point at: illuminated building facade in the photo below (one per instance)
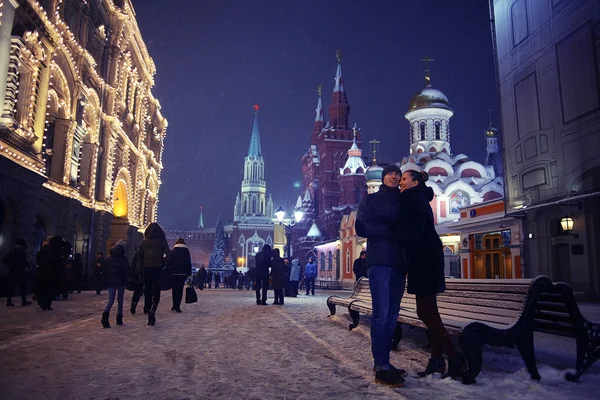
(81, 135)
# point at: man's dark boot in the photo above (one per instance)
(119, 319)
(104, 320)
(389, 377)
(133, 307)
(435, 365)
(9, 303)
(25, 303)
(152, 316)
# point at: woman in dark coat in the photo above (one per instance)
(278, 270)
(261, 274)
(152, 253)
(181, 268)
(426, 278)
(50, 271)
(137, 281)
(17, 264)
(116, 273)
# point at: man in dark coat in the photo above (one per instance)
(360, 266)
(50, 271)
(181, 268)
(209, 278)
(278, 276)
(202, 277)
(17, 264)
(261, 274)
(137, 279)
(98, 273)
(233, 278)
(377, 220)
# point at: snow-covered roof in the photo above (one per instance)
(354, 164)
(314, 231)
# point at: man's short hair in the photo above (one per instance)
(362, 253)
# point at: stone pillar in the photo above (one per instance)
(7, 12)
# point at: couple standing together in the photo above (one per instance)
(401, 239)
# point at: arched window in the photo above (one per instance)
(329, 261)
(437, 130)
(422, 130)
(348, 261)
(322, 261)
(254, 205)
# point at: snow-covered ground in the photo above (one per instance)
(226, 346)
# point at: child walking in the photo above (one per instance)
(116, 272)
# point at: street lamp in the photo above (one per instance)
(280, 214)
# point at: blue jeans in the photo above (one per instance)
(387, 288)
(111, 299)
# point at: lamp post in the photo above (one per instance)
(280, 214)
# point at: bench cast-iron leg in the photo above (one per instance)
(470, 344)
(331, 307)
(355, 319)
(525, 346)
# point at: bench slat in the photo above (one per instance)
(476, 310)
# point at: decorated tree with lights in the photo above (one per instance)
(217, 257)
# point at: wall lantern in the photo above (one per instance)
(566, 224)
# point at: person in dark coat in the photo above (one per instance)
(261, 274)
(116, 273)
(241, 280)
(360, 266)
(17, 264)
(217, 280)
(250, 278)
(98, 273)
(77, 272)
(202, 277)
(181, 268)
(377, 220)
(136, 278)
(233, 278)
(278, 276)
(153, 251)
(50, 269)
(209, 278)
(425, 255)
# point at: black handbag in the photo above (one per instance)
(190, 295)
(166, 278)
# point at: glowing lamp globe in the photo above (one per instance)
(298, 214)
(280, 214)
(567, 224)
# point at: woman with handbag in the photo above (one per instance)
(181, 268)
(152, 253)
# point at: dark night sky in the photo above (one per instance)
(215, 59)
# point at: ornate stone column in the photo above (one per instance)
(7, 12)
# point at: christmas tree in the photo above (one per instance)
(217, 257)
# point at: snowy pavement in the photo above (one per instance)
(227, 347)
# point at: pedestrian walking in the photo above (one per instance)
(261, 274)
(18, 267)
(181, 268)
(49, 277)
(116, 273)
(233, 278)
(202, 277)
(426, 278)
(153, 251)
(98, 273)
(310, 274)
(77, 272)
(137, 282)
(217, 280)
(377, 220)
(278, 276)
(294, 277)
(209, 278)
(360, 266)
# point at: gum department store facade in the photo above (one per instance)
(81, 135)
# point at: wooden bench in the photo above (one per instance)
(497, 312)
(330, 285)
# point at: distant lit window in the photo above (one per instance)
(422, 130)
(437, 130)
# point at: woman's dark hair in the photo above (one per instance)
(418, 176)
(276, 253)
(266, 251)
(180, 241)
(77, 257)
(154, 231)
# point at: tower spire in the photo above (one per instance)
(339, 110)
(319, 110)
(255, 150)
(374, 142)
(339, 81)
(200, 220)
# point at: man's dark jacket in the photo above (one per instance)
(378, 215)
(360, 268)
